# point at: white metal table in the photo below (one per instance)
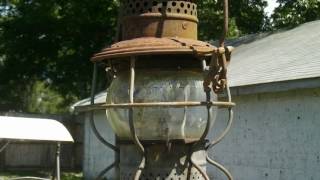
(34, 129)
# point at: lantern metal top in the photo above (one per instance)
(158, 27)
(155, 46)
(158, 18)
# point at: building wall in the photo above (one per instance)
(97, 156)
(275, 136)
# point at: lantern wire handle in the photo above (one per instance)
(93, 126)
(131, 123)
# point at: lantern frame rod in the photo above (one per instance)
(208, 125)
(203, 137)
(93, 125)
(102, 106)
(132, 78)
(229, 124)
(131, 123)
(92, 122)
(217, 140)
(107, 169)
(220, 167)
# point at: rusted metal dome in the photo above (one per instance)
(155, 46)
(156, 27)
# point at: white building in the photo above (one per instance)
(275, 80)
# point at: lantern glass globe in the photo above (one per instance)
(160, 123)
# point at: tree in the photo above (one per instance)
(45, 46)
(51, 41)
(291, 13)
(246, 17)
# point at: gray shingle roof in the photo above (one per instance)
(266, 58)
(287, 55)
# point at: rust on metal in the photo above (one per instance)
(156, 46)
(103, 106)
(159, 18)
(167, 27)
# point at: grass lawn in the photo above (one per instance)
(64, 176)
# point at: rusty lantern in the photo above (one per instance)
(163, 99)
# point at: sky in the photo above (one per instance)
(271, 5)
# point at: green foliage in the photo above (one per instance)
(45, 46)
(51, 41)
(247, 16)
(42, 99)
(291, 13)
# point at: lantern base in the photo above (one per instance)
(163, 162)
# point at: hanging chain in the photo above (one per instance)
(216, 73)
(216, 78)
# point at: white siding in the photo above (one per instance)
(275, 136)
